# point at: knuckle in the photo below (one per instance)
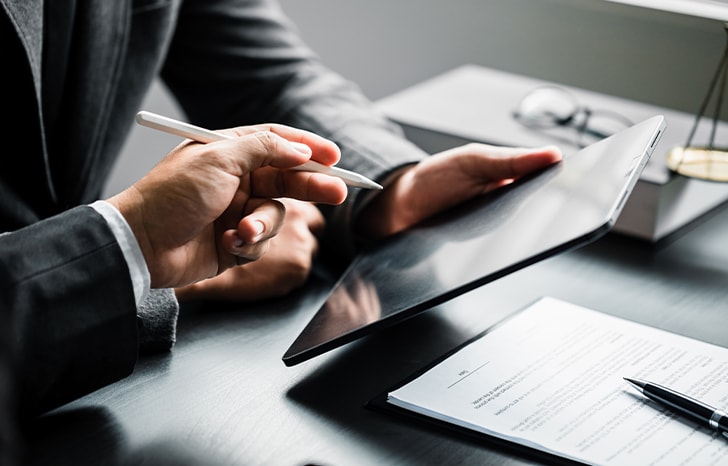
(297, 273)
(292, 276)
(266, 144)
(266, 140)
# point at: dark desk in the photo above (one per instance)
(223, 396)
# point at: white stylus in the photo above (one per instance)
(186, 130)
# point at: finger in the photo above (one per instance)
(305, 212)
(249, 240)
(524, 161)
(241, 253)
(262, 220)
(502, 163)
(321, 149)
(238, 207)
(304, 186)
(261, 145)
(255, 150)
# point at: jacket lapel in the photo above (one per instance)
(101, 36)
(26, 18)
(102, 30)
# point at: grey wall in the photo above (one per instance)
(387, 45)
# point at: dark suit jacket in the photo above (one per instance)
(74, 319)
(228, 62)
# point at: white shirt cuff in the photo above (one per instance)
(138, 270)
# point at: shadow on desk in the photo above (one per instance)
(91, 435)
(340, 388)
(65, 437)
(86, 432)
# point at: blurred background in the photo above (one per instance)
(651, 56)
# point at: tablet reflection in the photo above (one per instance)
(352, 305)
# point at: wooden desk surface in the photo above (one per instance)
(223, 396)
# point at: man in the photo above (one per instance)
(79, 70)
(71, 283)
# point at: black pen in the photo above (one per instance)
(714, 418)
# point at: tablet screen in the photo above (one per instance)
(562, 207)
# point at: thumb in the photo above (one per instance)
(503, 163)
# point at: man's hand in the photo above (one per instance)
(285, 267)
(445, 180)
(207, 207)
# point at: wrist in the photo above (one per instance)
(138, 270)
(128, 204)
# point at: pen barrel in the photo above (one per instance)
(186, 130)
(682, 403)
(719, 420)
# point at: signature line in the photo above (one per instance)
(469, 374)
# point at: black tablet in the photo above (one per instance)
(565, 206)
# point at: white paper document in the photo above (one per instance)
(551, 378)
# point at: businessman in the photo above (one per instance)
(79, 70)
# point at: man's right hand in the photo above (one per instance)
(207, 207)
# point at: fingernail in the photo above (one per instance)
(237, 243)
(302, 148)
(259, 229)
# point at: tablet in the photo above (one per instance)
(564, 206)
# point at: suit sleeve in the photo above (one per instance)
(66, 287)
(238, 62)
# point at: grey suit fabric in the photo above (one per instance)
(74, 319)
(66, 288)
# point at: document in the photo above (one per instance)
(551, 378)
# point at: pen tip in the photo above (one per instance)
(366, 183)
(638, 384)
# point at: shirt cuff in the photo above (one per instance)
(138, 270)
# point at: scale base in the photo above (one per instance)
(699, 162)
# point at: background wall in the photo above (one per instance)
(387, 45)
